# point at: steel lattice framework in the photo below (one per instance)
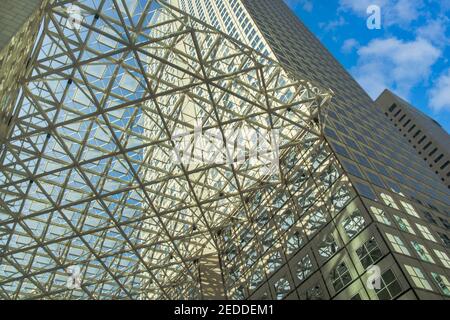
(88, 176)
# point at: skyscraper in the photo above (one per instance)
(426, 135)
(20, 24)
(91, 187)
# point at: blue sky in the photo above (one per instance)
(409, 54)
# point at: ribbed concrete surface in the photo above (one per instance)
(13, 14)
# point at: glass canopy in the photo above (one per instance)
(90, 185)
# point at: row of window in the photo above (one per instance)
(422, 142)
(422, 282)
(400, 247)
(369, 253)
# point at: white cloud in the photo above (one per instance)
(435, 31)
(440, 93)
(333, 24)
(394, 12)
(307, 5)
(445, 5)
(404, 11)
(395, 64)
(360, 6)
(349, 45)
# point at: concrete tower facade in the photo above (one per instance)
(426, 136)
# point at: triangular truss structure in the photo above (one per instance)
(88, 177)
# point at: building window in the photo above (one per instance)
(239, 294)
(404, 224)
(340, 276)
(256, 279)
(329, 176)
(282, 288)
(442, 282)
(390, 288)
(315, 220)
(353, 224)
(294, 242)
(443, 257)
(268, 240)
(306, 199)
(389, 201)
(374, 179)
(445, 223)
(380, 215)
(356, 297)
(410, 209)
(393, 107)
(287, 220)
(422, 252)
(445, 239)
(304, 268)
(369, 253)
(340, 198)
(314, 293)
(274, 262)
(251, 258)
(426, 232)
(418, 278)
(246, 236)
(397, 243)
(429, 217)
(328, 247)
(365, 191)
